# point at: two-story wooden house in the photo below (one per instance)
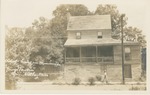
(90, 49)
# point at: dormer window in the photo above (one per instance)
(99, 35)
(78, 35)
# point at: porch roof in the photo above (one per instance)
(87, 42)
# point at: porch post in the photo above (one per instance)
(80, 55)
(63, 66)
(65, 55)
(96, 54)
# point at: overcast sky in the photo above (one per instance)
(21, 13)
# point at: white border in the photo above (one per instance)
(2, 53)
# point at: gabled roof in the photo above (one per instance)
(86, 42)
(89, 22)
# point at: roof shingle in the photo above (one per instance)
(89, 22)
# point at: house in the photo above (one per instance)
(90, 49)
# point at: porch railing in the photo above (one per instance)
(105, 59)
(73, 59)
(89, 59)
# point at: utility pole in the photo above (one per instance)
(122, 48)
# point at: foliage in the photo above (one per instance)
(115, 17)
(45, 48)
(14, 72)
(59, 22)
(53, 76)
(99, 78)
(91, 81)
(134, 88)
(44, 40)
(17, 46)
(134, 34)
(131, 33)
(51, 34)
(76, 81)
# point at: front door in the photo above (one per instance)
(127, 71)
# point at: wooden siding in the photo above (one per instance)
(117, 54)
(89, 34)
(135, 54)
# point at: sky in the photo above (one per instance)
(21, 13)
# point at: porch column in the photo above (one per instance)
(63, 66)
(96, 54)
(80, 55)
(65, 54)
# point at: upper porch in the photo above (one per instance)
(89, 54)
(94, 50)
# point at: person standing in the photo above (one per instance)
(105, 77)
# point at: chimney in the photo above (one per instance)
(68, 14)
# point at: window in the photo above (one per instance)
(127, 54)
(99, 35)
(78, 35)
(105, 51)
(72, 52)
(127, 71)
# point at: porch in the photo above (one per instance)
(89, 54)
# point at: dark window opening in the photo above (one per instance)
(99, 35)
(105, 51)
(72, 52)
(88, 51)
(127, 54)
(78, 35)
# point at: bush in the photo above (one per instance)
(76, 81)
(53, 76)
(98, 78)
(32, 79)
(91, 81)
(134, 88)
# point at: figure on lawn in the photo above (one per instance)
(105, 77)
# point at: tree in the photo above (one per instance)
(134, 34)
(44, 47)
(115, 17)
(59, 22)
(131, 33)
(17, 46)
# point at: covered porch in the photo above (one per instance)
(89, 54)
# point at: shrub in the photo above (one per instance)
(32, 79)
(53, 76)
(91, 81)
(98, 78)
(134, 88)
(76, 81)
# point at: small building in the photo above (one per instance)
(90, 49)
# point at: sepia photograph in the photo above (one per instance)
(79, 46)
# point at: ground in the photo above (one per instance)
(83, 86)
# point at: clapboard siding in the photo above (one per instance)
(135, 55)
(89, 34)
